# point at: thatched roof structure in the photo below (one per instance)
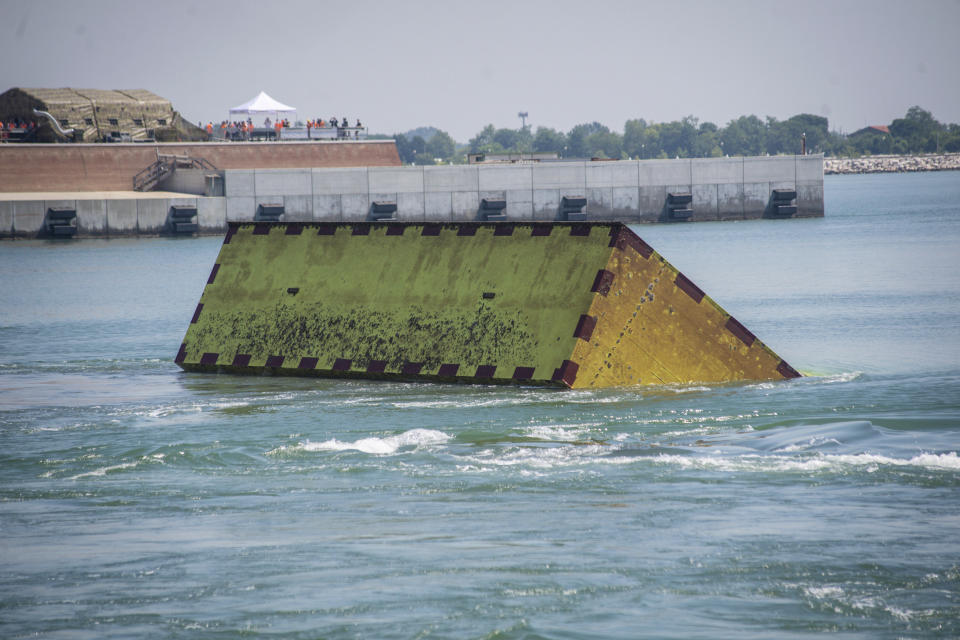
(99, 113)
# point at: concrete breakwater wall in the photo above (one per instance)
(626, 191)
(629, 191)
(107, 214)
(892, 164)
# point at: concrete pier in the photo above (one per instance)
(644, 191)
(627, 191)
(107, 213)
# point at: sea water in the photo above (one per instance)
(137, 500)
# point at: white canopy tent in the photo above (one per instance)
(262, 107)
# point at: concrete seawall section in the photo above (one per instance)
(107, 214)
(625, 191)
(111, 167)
(628, 191)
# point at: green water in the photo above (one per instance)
(140, 501)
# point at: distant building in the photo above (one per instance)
(98, 115)
(874, 129)
(502, 158)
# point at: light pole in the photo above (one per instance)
(523, 119)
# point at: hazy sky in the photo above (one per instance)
(459, 65)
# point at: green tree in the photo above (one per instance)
(707, 143)
(441, 145)
(745, 136)
(549, 140)
(635, 138)
(605, 144)
(677, 138)
(577, 144)
(951, 139)
(507, 138)
(414, 151)
(483, 141)
(918, 129)
(785, 137)
(404, 148)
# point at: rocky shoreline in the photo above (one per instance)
(892, 164)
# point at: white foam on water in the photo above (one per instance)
(600, 397)
(836, 598)
(687, 389)
(500, 397)
(543, 457)
(467, 403)
(559, 432)
(821, 593)
(163, 412)
(811, 443)
(102, 471)
(848, 376)
(824, 462)
(375, 446)
(695, 416)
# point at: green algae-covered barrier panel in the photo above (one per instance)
(549, 303)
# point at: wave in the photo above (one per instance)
(819, 463)
(103, 471)
(377, 446)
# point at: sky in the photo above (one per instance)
(460, 65)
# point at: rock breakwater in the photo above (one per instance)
(892, 164)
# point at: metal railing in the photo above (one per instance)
(165, 165)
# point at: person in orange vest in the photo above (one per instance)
(209, 128)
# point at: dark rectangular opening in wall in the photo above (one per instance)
(112, 121)
(88, 121)
(138, 122)
(161, 122)
(64, 123)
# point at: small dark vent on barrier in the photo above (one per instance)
(572, 208)
(183, 219)
(269, 212)
(679, 206)
(61, 222)
(493, 209)
(783, 203)
(383, 210)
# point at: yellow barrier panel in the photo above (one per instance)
(566, 304)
